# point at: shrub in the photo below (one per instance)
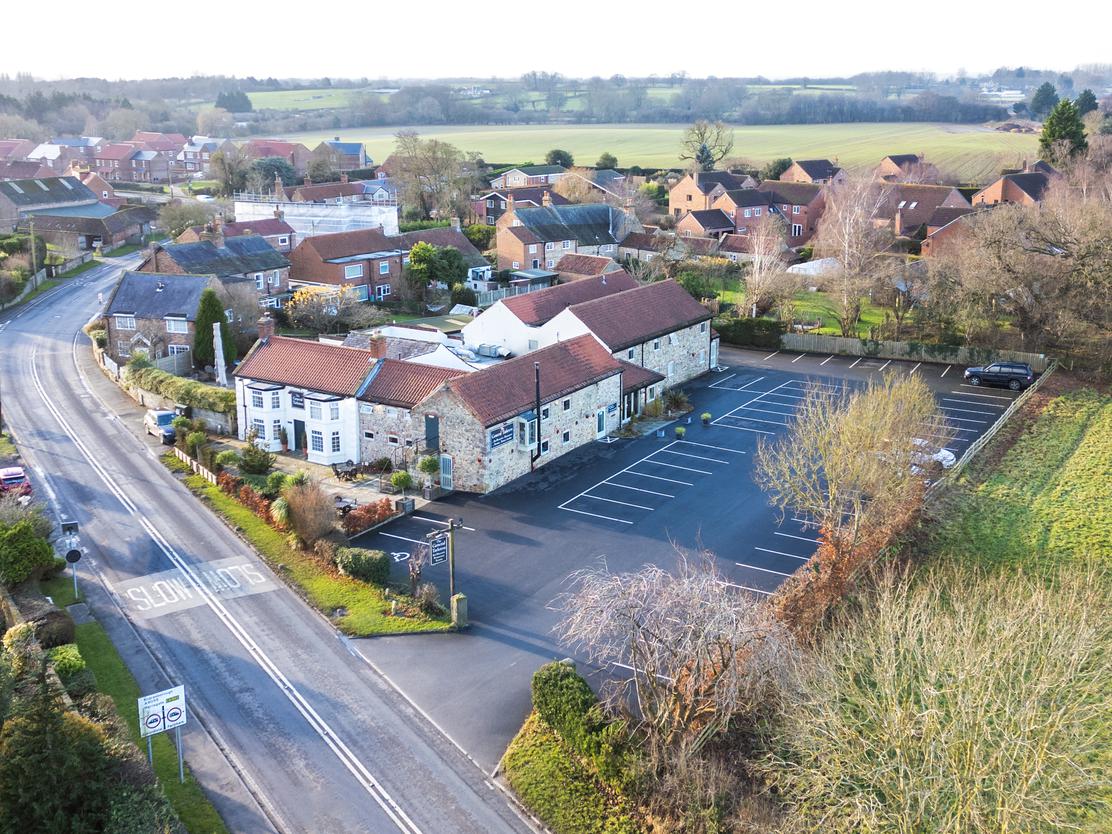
(56, 568)
(567, 704)
(401, 481)
(382, 465)
(23, 553)
(275, 483)
(367, 515)
(311, 512)
(229, 483)
(428, 599)
(254, 459)
(22, 648)
(13, 511)
(280, 512)
(298, 478)
(100, 338)
(181, 390)
(80, 684)
(255, 502)
(193, 443)
(764, 333)
(55, 628)
(675, 400)
(227, 458)
(680, 432)
(325, 549)
(67, 660)
(429, 466)
(367, 565)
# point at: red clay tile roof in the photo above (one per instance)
(500, 392)
(346, 244)
(305, 364)
(578, 264)
(942, 216)
(536, 308)
(117, 152)
(914, 202)
(646, 241)
(404, 384)
(266, 226)
(733, 243)
(633, 317)
(634, 377)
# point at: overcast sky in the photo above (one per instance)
(435, 38)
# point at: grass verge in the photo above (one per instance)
(92, 263)
(560, 790)
(363, 607)
(7, 448)
(113, 679)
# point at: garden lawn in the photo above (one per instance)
(324, 588)
(113, 679)
(560, 790)
(1047, 501)
(814, 306)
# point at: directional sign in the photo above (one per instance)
(161, 711)
(438, 550)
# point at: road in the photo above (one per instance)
(296, 731)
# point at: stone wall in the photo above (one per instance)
(687, 351)
(384, 422)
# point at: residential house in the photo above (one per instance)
(800, 204)
(323, 192)
(54, 156)
(940, 237)
(114, 161)
(195, 156)
(1026, 187)
(150, 166)
(491, 427)
(709, 223)
(534, 238)
(25, 169)
(168, 144)
(479, 270)
(97, 184)
(381, 189)
(490, 206)
(698, 191)
(73, 233)
(576, 267)
(153, 313)
(529, 176)
(519, 324)
(425, 347)
(814, 171)
(85, 146)
(366, 260)
(906, 167)
(910, 206)
(294, 153)
(274, 230)
(47, 195)
(247, 258)
(342, 156)
(15, 150)
(656, 326)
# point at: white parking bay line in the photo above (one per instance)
(747, 588)
(944, 372)
(827, 359)
(885, 365)
(654, 477)
(594, 515)
(798, 358)
(986, 396)
(854, 365)
(711, 446)
(967, 410)
(677, 466)
(637, 489)
(743, 428)
(754, 419)
(913, 370)
(770, 356)
(973, 402)
(439, 521)
(782, 553)
(403, 538)
(715, 385)
(767, 411)
(766, 570)
(801, 538)
(686, 455)
(967, 420)
(614, 501)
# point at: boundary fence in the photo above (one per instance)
(196, 467)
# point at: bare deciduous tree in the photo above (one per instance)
(852, 232)
(767, 265)
(700, 653)
(434, 177)
(707, 143)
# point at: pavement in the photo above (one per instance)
(627, 503)
(291, 729)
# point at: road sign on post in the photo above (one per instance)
(162, 711)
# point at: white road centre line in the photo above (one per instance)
(885, 365)
(770, 356)
(677, 466)
(402, 538)
(854, 365)
(637, 489)
(326, 733)
(944, 372)
(595, 515)
(766, 570)
(711, 446)
(614, 501)
(654, 477)
(798, 358)
(697, 457)
(913, 370)
(782, 553)
(801, 538)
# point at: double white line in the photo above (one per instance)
(319, 725)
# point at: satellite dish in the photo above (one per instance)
(73, 556)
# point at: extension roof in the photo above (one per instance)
(794, 193)
(268, 226)
(592, 224)
(324, 191)
(1032, 183)
(712, 220)
(238, 256)
(46, 191)
(747, 197)
(578, 264)
(634, 377)
(302, 363)
(647, 241)
(944, 216)
(149, 295)
(535, 308)
(404, 384)
(539, 170)
(340, 245)
(500, 392)
(533, 194)
(638, 315)
(389, 347)
(915, 203)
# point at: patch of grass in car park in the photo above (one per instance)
(559, 789)
(113, 679)
(365, 606)
(1046, 501)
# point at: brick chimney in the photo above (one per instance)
(546, 199)
(343, 178)
(279, 193)
(377, 345)
(265, 326)
(308, 181)
(218, 231)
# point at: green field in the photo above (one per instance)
(321, 99)
(970, 153)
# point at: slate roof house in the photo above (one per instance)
(1025, 187)
(275, 231)
(910, 207)
(153, 313)
(534, 238)
(816, 171)
(529, 176)
(342, 156)
(490, 206)
(43, 195)
(248, 258)
(698, 191)
(901, 167)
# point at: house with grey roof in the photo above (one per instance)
(529, 175)
(54, 195)
(342, 156)
(815, 171)
(248, 258)
(537, 237)
(153, 313)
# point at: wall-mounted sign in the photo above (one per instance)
(500, 435)
(297, 399)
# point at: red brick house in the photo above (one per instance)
(705, 223)
(1025, 187)
(940, 237)
(243, 259)
(342, 156)
(699, 190)
(492, 205)
(113, 162)
(293, 152)
(814, 171)
(536, 238)
(800, 204)
(910, 206)
(367, 260)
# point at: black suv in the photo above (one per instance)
(1014, 375)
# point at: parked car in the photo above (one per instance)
(1014, 375)
(13, 480)
(161, 425)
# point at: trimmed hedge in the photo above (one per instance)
(763, 333)
(368, 565)
(180, 390)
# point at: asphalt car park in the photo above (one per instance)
(626, 503)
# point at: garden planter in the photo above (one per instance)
(405, 505)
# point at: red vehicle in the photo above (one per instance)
(14, 480)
